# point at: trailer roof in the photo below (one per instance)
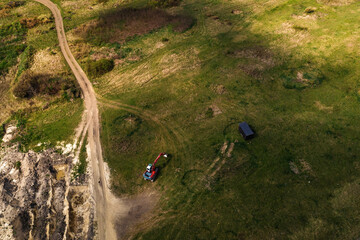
(246, 129)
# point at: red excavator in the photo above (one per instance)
(152, 171)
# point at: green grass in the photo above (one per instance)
(2, 132)
(50, 126)
(80, 168)
(43, 119)
(12, 35)
(310, 121)
(24, 63)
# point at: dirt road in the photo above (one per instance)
(106, 204)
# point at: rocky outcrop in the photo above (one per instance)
(38, 200)
(31, 198)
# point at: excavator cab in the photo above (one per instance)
(148, 168)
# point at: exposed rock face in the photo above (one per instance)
(31, 198)
(37, 199)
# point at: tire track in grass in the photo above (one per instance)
(174, 137)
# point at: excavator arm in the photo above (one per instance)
(160, 155)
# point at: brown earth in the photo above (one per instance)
(121, 25)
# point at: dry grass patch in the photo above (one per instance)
(80, 49)
(258, 59)
(47, 62)
(146, 72)
(219, 89)
(322, 107)
(296, 34)
(336, 2)
(215, 25)
(258, 53)
(301, 167)
(4, 12)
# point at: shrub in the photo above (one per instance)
(100, 67)
(310, 10)
(14, 4)
(31, 84)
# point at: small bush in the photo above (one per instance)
(100, 67)
(18, 165)
(209, 113)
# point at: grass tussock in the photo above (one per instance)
(124, 24)
(164, 3)
(80, 168)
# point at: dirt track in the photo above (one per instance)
(107, 206)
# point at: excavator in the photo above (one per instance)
(152, 171)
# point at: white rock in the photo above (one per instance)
(10, 134)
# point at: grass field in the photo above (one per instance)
(288, 68)
(29, 40)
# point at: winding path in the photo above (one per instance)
(105, 201)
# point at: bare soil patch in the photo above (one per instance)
(260, 59)
(323, 107)
(123, 24)
(139, 209)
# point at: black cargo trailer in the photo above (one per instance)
(246, 131)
